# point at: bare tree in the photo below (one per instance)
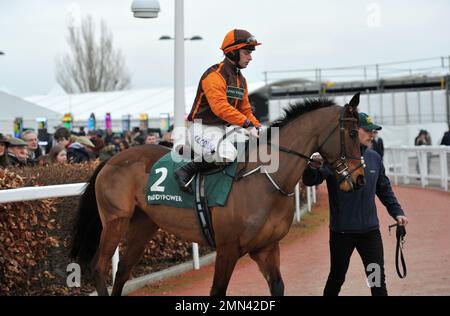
(91, 66)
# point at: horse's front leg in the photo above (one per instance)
(268, 260)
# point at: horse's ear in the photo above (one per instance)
(353, 105)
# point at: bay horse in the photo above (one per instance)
(257, 216)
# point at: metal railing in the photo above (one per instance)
(439, 65)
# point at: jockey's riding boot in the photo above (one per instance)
(185, 173)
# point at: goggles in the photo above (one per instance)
(250, 41)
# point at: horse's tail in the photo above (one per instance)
(88, 227)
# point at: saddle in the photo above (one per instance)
(211, 188)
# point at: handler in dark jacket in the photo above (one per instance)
(353, 215)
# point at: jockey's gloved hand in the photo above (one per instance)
(251, 129)
(317, 161)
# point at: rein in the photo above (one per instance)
(344, 174)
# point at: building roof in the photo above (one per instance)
(12, 106)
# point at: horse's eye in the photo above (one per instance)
(353, 133)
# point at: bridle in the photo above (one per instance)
(340, 165)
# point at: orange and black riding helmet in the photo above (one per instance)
(237, 39)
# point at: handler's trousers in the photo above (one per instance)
(370, 247)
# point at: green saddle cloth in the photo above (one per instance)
(162, 187)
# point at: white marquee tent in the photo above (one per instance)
(154, 102)
(12, 107)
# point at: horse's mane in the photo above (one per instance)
(299, 108)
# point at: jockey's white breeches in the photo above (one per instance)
(208, 141)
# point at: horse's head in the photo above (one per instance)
(341, 148)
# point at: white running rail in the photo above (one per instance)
(76, 189)
(427, 164)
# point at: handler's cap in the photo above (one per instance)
(366, 122)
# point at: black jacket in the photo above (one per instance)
(355, 212)
(37, 153)
(446, 139)
(378, 146)
(76, 153)
(15, 162)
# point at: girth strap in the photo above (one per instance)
(203, 212)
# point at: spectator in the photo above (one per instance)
(109, 136)
(446, 138)
(377, 144)
(138, 140)
(128, 137)
(4, 161)
(62, 136)
(124, 145)
(58, 154)
(98, 142)
(82, 131)
(78, 151)
(136, 137)
(150, 139)
(31, 138)
(116, 143)
(423, 139)
(18, 153)
(167, 138)
(107, 152)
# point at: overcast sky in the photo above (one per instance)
(295, 34)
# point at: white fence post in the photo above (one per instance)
(444, 169)
(422, 158)
(405, 165)
(195, 255)
(394, 161)
(314, 198)
(115, 264)
(308, 198)
(297, 203)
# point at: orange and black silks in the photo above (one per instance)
(222, 97)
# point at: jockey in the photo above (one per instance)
(221, 104)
